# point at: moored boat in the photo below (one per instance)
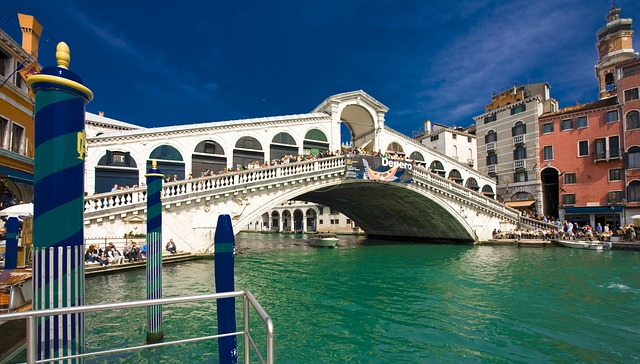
(583, 244)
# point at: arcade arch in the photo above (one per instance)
(115, 167)
(208, 155)
(361, 124)
(315, 142)
(282, 144)
(248, 150)
(169, 161)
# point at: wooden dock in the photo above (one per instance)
(167, 258)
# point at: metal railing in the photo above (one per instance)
(249, 344)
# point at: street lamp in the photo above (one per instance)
(612, 207)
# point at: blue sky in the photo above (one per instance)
(169, 63)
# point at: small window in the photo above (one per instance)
(547, 128)
(582, 122)
(569, 178)
(583, 148)
(118, 157)
(631, 94)
(518, 109)
(548, 153)
(490, 118)
(566, 124)
(612, 116)
(520, 176)
(454, 136)
(17, 138)
(615, 174)
(6, 64)
(492, 159)
(490, 137)
(4, 131)
(633, 120)
(615, 196)
(569, 199)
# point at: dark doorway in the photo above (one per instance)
(550, 192)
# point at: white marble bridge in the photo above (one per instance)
(458, 208)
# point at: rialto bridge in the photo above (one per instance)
(441, 198)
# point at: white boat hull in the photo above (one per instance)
(324, 242)
(583, 244)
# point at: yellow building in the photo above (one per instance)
(16, 111)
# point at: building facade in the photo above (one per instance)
(16, 112)
(456, 142)
(588, 152)
(508, 144)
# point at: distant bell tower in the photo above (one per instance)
(615, 45)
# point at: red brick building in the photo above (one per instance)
(590, 153)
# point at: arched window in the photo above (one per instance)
(417, 156)
(315, 141)
(633, 191)
(437, 167)
(633, 157)
(115, 167)
(208, 155)
(472, 183)
(455, 176)
(282, 144)
(248, 149)
(520, 153)
(170, 161)
(633, 119)
(519, 129)
(395, 148)
(491, 136)
(609, 84)
(488, 191)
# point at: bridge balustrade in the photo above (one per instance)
(110, 200)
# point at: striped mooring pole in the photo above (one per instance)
(154, 252)
(224, 242)
(58, 236)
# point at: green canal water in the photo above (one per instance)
(375, 302)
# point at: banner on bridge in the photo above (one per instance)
(378, 168)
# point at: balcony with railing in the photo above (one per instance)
(519, 164)
(492, 169)
(491, 146)
(607, 155)
(518, 139)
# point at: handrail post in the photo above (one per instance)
(247, 342)
(32, 342)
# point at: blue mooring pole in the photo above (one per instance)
(224, 242)
(58, 215)
(11, 250)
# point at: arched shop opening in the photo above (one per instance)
(248, 150)
(208, 155)
(282, 144)
(170, 161)
(315, 142)
(116, 167)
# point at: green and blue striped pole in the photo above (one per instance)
(154, 252)
(58, 236)
(224, 242)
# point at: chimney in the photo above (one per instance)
(101, 113)
(427, 126)
(31, 31)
